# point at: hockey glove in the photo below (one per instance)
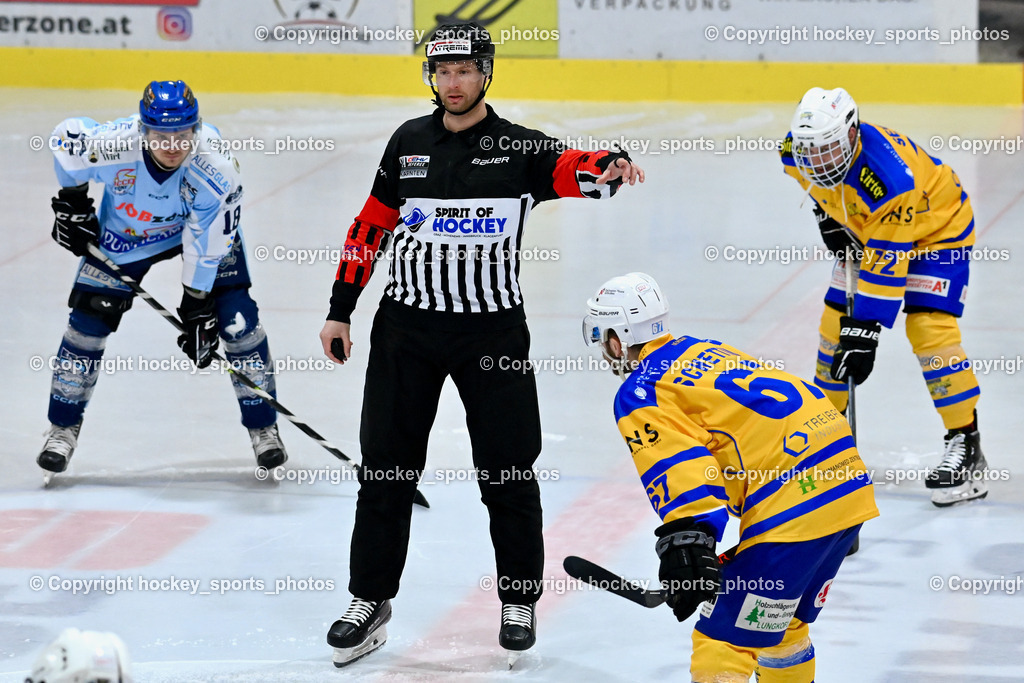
(855, 355)
(689, 567)
(604, 162)
(834, 235)
(75, 225)
(199, 318)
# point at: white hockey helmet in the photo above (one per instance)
(631, 305)
(82, 657)
(821, 126)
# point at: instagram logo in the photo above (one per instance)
(174, 23)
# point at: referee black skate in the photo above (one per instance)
(451, 197)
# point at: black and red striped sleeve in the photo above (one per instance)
(576, 173)
(366, 238)
(560, 171)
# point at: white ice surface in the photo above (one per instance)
(163, 443)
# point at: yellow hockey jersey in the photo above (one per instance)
(712, 431)
(900, 203)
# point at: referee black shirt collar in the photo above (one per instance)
(468, 136)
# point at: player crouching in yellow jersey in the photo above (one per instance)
(909, 220)
(714, 432)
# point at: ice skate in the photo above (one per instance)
(266, 444)
(518, 630)
(360, 630)
(961, 474)
(58, 449)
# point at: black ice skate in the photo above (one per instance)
(518, 630)
(60, 445)
(961, 474)
(266, 444)
(360, 631)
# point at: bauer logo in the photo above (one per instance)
(767, 615)
(174, 23)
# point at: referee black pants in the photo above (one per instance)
(406, 370)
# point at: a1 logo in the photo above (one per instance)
(819, 600)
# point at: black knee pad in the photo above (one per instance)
(108, 308)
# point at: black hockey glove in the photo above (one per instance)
(604, 162)
(75, 225)
(855, 355)
(199, 318)
(689, 567)
(834, 235)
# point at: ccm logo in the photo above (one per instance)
(858, 332)
(73, 217)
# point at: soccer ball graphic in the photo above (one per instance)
(316, 9)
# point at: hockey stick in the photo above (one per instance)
(95, 252)
(851, 409)
(851, 405)
(598, 576)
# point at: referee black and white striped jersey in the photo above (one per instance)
(450, 208)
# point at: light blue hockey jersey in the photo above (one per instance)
(197, 207)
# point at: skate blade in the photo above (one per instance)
(343, 656)
(47, 478)
(513, 657)
(969, 491)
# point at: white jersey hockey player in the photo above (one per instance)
(170, 187)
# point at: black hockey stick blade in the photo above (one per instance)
(598, 576)
(95, 252)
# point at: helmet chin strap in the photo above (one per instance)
(620, 366)
(480, 97)
(158, 164)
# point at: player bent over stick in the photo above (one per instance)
(910, 220)
(712, 432)
(169, 188)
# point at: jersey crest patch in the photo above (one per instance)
(124, 181)
(413, 166)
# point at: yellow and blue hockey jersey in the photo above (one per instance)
(712, 431)
(900, 203)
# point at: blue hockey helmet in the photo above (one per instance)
(169, 105)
